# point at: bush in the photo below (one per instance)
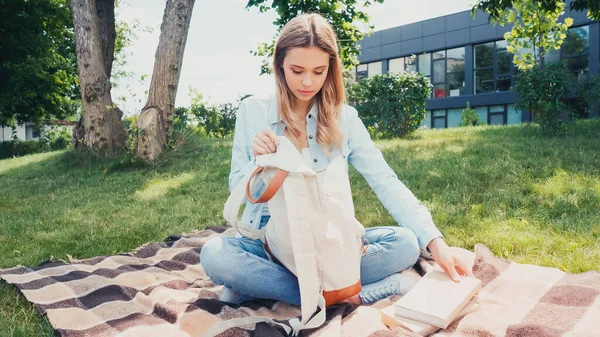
(131, 127)
(57, 138)
(591, 93)
(181, 118)
(543, 90)
(469, 117)
(16, 148)
(215, 120)
(391, 105)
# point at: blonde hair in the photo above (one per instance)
(308, 30)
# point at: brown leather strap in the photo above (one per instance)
(270, 190)
(336, 296)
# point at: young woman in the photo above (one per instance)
(309, 109)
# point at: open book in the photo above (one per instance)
(436, 299)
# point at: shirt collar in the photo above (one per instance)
(314, 112)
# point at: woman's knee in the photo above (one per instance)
(212, 257)
(407, 247)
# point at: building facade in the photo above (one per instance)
(466, 60)
(29, 131)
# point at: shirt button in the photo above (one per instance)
(310, 137)
(309, 116)
(316, 160)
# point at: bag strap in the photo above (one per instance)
(296, 194)
(232, 209)
(270, 191)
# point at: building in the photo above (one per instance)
(466, 60)
(29, 131)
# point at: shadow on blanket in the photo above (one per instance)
(160, 289)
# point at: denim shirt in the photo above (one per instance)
(258, 114)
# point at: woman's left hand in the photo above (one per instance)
(448, 260)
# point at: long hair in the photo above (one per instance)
(311, 30)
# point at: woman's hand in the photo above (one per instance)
(265, 142)
(448, 260)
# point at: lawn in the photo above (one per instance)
(530, 198)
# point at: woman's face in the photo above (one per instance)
(305, 71)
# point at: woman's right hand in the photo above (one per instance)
(265, 142)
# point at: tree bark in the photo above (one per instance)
(155, 120)
(100, 128)
(108, 34)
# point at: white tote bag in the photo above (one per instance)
(312, 231)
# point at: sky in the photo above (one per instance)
(217, 61)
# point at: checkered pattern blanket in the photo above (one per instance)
(161, 290)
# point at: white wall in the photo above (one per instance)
(25, 132)
(6, 133)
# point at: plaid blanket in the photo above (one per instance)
(161, 290)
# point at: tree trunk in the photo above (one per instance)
(156, 117)
(100, 128)
(108, 34)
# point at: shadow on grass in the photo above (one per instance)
(65, 203)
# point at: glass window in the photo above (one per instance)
(484, 81)
(439, 90)
(497, 114)
(482, 113)
(445, 69)
(455, 68)
(552, 56)
(426, 122)
(425, 64)
(484, 55)
(513, 115)
(374, 69)
(456, 84)
(504, 59)
(456, 60)
(496, 119)
(361, 71)
(577, 41)
(410, 64)
(438, 119)
(396, 65)
(454, 118)
(493, 67)
(439, 54)
(439, 123)
(497, 108)
(574, 51)
(503, 83)
(439, 73)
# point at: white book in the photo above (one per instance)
(436, 299)
(389, 318)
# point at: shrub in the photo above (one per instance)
(215, 120)
(469, 117)
(543, 90)
(57, 138)
(16, 148)
(391, 105)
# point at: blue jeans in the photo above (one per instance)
(242, 264)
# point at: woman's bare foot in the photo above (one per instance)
(353, 300)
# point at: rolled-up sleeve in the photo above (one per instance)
(399, 201)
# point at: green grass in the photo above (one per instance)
(530, 198)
